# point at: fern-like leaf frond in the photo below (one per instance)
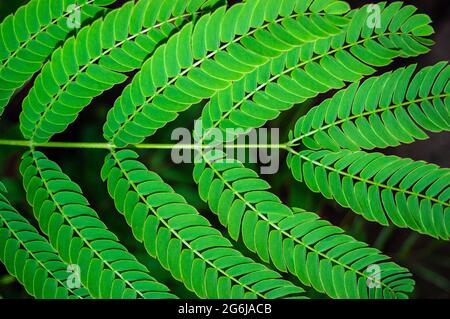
(209, 56)
(184, 241)
(295, 241)
(29, 37)
(381, 188)
(108, 270)
(30, 258)
(97, 59)
(380, 112)
(319, 67)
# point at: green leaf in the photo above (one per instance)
(384, 111)
(184, 241)
(85, 67)
(173, 85)
(318, 254)
(29, 37)
(31, 259)
(79, 236)
(324, 63)
(410, 194)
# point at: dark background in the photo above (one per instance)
(428, 259)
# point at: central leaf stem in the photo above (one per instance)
(108, 146)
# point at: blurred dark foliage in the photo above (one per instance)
(428, 259)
